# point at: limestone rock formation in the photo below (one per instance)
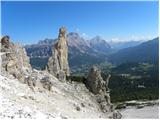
(24, 87)
(95, 82)
(6, 45)
(58, 62)
(14, 58)
(5, 42)
(99, 88)
(15, 65)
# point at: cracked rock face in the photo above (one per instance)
(99, 88)
(95, 82)
(58, 62)
(14, 58)
(15, 64)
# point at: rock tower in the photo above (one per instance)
(58, 62)
(99, 88)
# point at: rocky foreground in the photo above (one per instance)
(64, 101)
(28, 93)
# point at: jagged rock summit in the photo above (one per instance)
(58, 62)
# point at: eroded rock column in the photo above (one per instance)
(99, 88)
(58, 62)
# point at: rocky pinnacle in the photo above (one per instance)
(99, 88)
(58, 62)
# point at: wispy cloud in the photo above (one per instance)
(135, 38)
(85, 36)
(131, 38)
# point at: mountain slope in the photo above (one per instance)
(99, 44)
(81, 52)
(41, 49)
(124, 44)
(40, 52)
(145, 52)
(65, 101)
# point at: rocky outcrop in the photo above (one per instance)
(5, 43)
(42, 91)
(14, 58)
(66, 101)
(99, 88)
(58, 62)
(15, 65)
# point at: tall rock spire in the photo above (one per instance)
(99, 88)
(58, 62)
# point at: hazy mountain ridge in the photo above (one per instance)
(99, 44)
(124, 44)
(145, 52)
(81, 51)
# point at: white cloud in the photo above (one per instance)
(85, 36)
(115, 39)
(136, 38)
(132, 38)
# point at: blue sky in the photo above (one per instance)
(29, 22)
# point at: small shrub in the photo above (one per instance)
(80, 79)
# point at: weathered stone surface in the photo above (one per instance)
(58, 62)
(116, 115)
(13, 57)
(6, 45)
(95, 82)
(15, 64)
(5, 41)
(99, 88)
(46, 82)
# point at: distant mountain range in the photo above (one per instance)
(83, 51)
(124, 44)
(144, 52)
(99, 44)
